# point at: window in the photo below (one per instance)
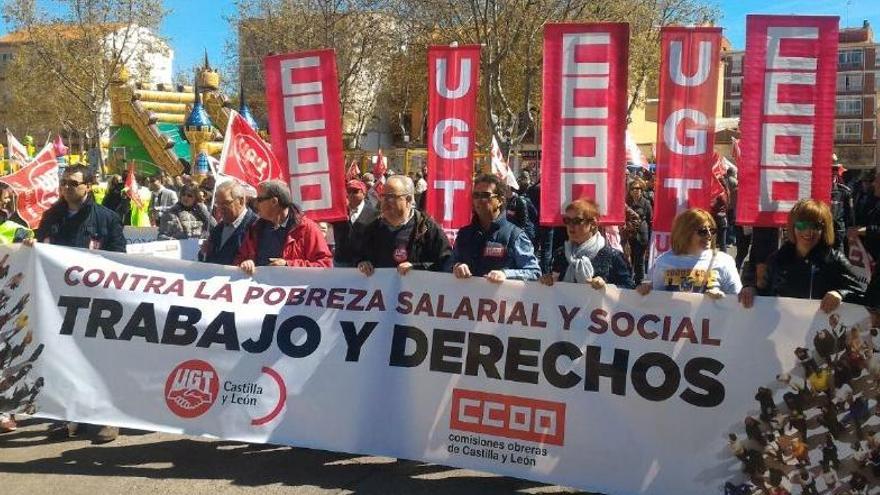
(849, 106)
(848, 131)
(849, 82)
(735, 85)
(850, 59)
(736, 65)
(735, 108)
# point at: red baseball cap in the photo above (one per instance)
(356, 184)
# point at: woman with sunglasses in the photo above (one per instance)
(807, 266)
(189, 218)
(585, 258)
(694, 264)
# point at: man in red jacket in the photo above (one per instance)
(282, 236)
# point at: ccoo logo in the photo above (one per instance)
(191, 388)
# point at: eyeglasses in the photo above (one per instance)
(803, 225)
(576, 221)
(391, 196)
(483, 195)
(73, 184)
(706, 231)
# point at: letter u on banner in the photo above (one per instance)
(584, 110)
(689, 68)
(302, 100)
(453, 78)
(787, 115)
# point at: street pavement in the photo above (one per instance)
(146, 463)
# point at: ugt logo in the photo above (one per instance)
(508, 416)
(191, 388)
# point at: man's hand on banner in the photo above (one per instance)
(366, 268)
(831, 301)
(747, 297)
(461, 270)
(404, 268)
(496, 276)
(248, 267)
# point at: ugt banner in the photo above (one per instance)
(453, 79)
(246, 156)
(605, 390)
(302, 100)
(787, 115)
(584, 112)
(689, 67)
(35, 186)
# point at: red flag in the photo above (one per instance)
(246, 156)
(353, 171)
(584, 112)
(452, 117)
(131, 187)
(718, 171)
(379, 168)
(689, 73)
(735, 151)
(787, 119)
(302, 100)
(35, 185)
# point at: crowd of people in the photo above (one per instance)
(387, 227)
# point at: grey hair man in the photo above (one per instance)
(224, 241)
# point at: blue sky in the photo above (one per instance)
(195, 25)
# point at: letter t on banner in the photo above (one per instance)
(453, 78)
(584, 109)
(689, 68)
(302, 100)
(787, 123)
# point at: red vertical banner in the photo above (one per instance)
(787, 122)
(453, 78)
(690, 59)
(584, 118)
(302, 100)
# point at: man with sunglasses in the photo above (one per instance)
(491, 246)
(403, 237)
(349, 234)
(282, 236)
(77, 221)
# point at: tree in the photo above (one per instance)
(78, 46)
(357, 29)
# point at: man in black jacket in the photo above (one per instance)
(403, 238)
(77, 221)
(349, 234)
(235, 219)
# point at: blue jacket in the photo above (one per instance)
(225, 254)
(92, 227)
(505, 247)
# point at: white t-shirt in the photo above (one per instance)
(687, 273)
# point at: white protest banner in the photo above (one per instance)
(603, 390)
(185, 249)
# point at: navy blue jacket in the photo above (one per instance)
(92, 227)
(505, 247)
(608, 264)
(225, 254)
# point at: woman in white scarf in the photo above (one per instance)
(585, 257)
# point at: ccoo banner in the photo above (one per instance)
(689, 67)
(584, 114)
(787, 120)
(603, 390)
(453, 79)
(302, 100)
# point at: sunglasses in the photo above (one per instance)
(706, 231)
(71, 183)
(483, 195)
(803, 225)
(575, 221)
